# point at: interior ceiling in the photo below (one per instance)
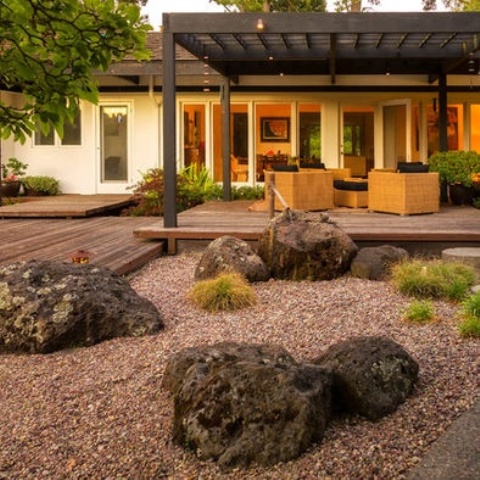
(331, 43)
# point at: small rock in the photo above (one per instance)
(230, 254)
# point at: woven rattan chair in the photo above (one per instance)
(312, 190)
(403, 193)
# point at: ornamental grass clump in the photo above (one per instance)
(420, 311)
(433, 279)
(227, 291)
(470, 313)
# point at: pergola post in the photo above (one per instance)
(169, 130)
(226, 150)
(442, 112)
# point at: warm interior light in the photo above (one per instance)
(260, 24)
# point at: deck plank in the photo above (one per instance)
(65, 206)
(110, 239)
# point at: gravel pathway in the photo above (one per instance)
(100, 412)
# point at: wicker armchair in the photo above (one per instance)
(403, 193)
(311, 190)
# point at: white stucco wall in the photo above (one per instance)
(78, 167)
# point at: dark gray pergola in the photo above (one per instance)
(235, 44)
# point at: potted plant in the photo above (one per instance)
(12, 174)
(41, 185)
(457, 169)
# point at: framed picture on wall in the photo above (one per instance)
(275, 129)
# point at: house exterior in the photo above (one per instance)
(358, 90)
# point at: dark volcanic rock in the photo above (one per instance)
(244, 409)
(305, 246)
(219, 354)
(374, 263)
(372, 376)
(47, 306)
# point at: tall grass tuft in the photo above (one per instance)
(227, 291)
(470, 312)
(420, 311)
(433, 279)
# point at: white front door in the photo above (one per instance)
(114, 150)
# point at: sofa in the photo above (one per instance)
(303, 190)
(403, 193)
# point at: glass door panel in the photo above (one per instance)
(114, 144)
(358, 139)
(309, 132)
(239, 143)
(194, 135)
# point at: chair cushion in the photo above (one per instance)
(285, 168)
(350, 185)
(412, 167)
(319, 165)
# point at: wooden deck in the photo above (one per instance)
(110, 240)
(125, 243)
(64, 206)
(451, 226)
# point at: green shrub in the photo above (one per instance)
(193, 188)
(420, 311)
(41, 185)
(228, 291)
(433, 279)
(469, 327)
(471, 306)
(248, 193)
(455, 166)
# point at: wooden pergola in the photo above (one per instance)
(234, 44)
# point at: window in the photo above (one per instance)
(41, 139)
(309, 131)
(72, 134)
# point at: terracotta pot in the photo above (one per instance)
(10, 189)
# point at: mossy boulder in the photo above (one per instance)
(47, 306)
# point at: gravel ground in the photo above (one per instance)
(100, 412)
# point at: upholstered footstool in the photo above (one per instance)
(351, 192)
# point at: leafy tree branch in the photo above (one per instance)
(49, 50)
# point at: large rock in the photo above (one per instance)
(47, 306)
(372, 376)
(220, 354)
(305, 246)
(244, 410)
(374, 263)
(230, 254)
